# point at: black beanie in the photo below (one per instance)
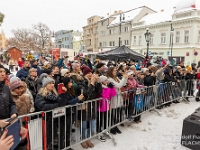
(1, 66)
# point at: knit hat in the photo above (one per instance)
(66, 80)
(63, 72)
(15, 82)
(75, 65)
(144, 70)
(85, 70)
(189, 68)
(46, 63)
(103, 78)
(46, 81)
(99, 65)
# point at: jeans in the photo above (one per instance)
(91, 129)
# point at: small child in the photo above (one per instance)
(103, 105)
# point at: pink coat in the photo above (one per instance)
(132, 83)
(107, 94)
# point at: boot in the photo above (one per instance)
(117, 130)
(113, 131)
(84, 145)
(89, 143)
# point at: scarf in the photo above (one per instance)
(51, 96)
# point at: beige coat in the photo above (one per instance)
(23, 103)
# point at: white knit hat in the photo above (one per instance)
(144, 70)
(64, 71)
(103, 78)
(46, 63)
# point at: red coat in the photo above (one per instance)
(20, 63)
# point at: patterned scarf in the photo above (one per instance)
(51, 96)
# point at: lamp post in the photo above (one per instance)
(122, 17)
(171, 37)
(147, 38)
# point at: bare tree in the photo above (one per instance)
(37, 39)
(42, 36)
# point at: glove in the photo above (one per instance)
(110, 85)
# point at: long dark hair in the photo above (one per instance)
(110, 74)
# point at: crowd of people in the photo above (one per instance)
(40, 85)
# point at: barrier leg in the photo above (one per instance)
(44, 131)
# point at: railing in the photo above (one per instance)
(93, 118)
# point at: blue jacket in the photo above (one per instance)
(39, 72)
(22, 74)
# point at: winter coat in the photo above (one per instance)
(32, 86)
(189, 76)
(149, 80)
(45, 104)
(20, 63)
(90, 92)
(23, 103)
(132, 83)
(169, 78)
(107, 94)
(39, 72)
(160, 75)
(22, 74)
(117, 101)
(7, 104)
(69, 100)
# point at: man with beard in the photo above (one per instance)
(23, 73)
(34, 64)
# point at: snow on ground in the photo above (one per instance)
(154, 133)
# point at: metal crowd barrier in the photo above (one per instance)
(52, 129)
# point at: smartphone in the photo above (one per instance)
(11, 119)
(60, 90)
(82, 91)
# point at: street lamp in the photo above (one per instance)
(147, 38)
(122, 17)
(171, 38)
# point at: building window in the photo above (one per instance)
(126, 42)
(104, 44)
(112, 43)
(140, 40)
(100, 44)
(91, 30)
(62, 39)
(96, 29)
(102, 33)
(163, 38)
(186, 37)
(112, 31)
(102, 23)
(126, 29)
(134, 40)
(65, 38)
(178, 36)
(151, 39)
(199, 37)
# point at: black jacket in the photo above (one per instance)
(44, 104)
(58, 79)
(169, 78)
(90, 92)
(7, 105)
(149, 80)
(69, 100)
(32, 86)
(178, 75)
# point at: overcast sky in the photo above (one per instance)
(66, 14)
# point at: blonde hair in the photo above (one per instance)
(198, 70)
(43, 92)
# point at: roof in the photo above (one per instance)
(12, 48)
(129, 16)
(185, 5)
(159, 17)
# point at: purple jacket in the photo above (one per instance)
(107, 94)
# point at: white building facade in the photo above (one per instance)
(184, 43)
